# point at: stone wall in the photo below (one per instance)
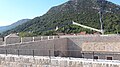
(98, 44)
(72, 46)
(1, 41)
(27, 39)
(13, 40)
(37, 38)
(102, 55)
(39, 47)
(92, 38)
(29, 61)
(101, 46)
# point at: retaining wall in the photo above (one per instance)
(73, 45)
(97, 44)
(29, 61)
(40, 47)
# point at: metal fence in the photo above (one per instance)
(62, 53)
(36, 52)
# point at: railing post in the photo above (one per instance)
(21, 40)
(75, 51)
(53, 37)
(41, 37)
(6, 52)
(18, 52)
(49, 54)
(33, 39)
(93, 56)
(82, 55)
(48, 37)
(33, 53)
(69, 54)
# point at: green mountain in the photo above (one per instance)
(81, 11)
(8, 27)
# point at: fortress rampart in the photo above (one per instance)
(40, 61)
(89, 46)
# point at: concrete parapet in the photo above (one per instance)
(40, 61)
(27, 39)
(37, 38)
(11, 40)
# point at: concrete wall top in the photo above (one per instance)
(12, 40)
(71, 36)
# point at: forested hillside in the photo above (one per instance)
(8, 27)
(81, 11)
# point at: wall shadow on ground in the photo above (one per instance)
(74, 50)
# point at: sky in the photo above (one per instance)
(115, 1)
(14, 10)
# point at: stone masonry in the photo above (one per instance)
(39, 61)
(39, 47)
(1, 41)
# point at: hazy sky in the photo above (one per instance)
(14, 10)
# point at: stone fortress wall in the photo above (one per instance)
(72, 46)
(1, 41)
(94, 43)
(39, 47)
(40, 61)
(102, 46)
(13, 40)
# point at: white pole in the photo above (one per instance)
(41, 37)
(33, 39)
(48, 37)
(53, 37)
(21, 40)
